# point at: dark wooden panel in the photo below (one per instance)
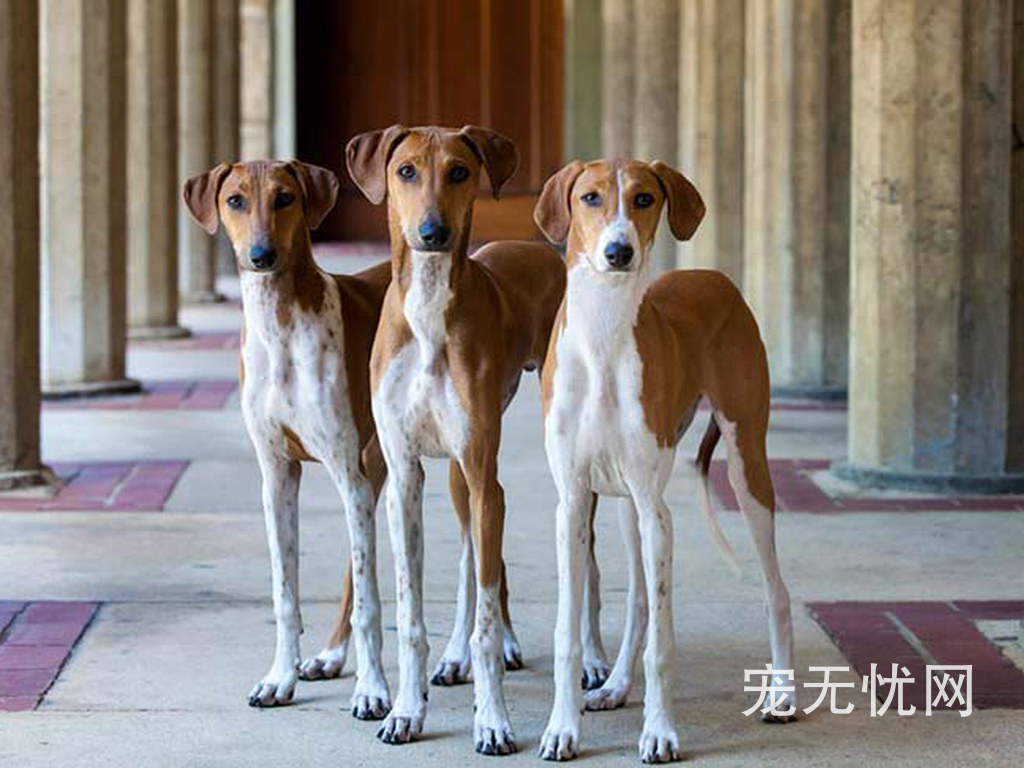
(496, 63)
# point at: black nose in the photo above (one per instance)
(262, 256)
(619, 254)
(435, 233)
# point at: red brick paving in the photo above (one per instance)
(36, 640)
(866, 633)
(795, 491)
(107, 486)
(189, 395)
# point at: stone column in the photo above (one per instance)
(84, 176)
(656, 91)
(284, 79)
(931, 324)
(795, 260)
(197, 262)
(227, 98)
(711, 129)
(1015, 453)
(257, 79)
(20, 460)
(153, 193)
(617, 102)
(583, 78)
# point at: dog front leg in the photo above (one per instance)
(659, 742)
(616, 688)
(595, 660)
(492, 731)
(405, 526)
(281, 514)
(561, 739)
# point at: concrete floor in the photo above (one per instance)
(161, 676)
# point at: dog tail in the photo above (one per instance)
(703, 464)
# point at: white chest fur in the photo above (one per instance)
(416, 404)
(294, 370)
(596, 430)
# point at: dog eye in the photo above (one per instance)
(643, 200)
(407, 172)
(283, 200)
(593, 199)
(236, 202)
(458, 174)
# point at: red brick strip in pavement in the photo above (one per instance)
(106, 486)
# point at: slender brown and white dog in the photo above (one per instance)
(628, 362)
(304, 370)
(455, 335)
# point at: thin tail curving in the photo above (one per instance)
(703, 464)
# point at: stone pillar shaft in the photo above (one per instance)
(153, 193)
(227, 100)
(583, 78)
(257, 80)
(655, 107)
(197, 262)
(794, 266)
(20, 461)
(932, 266)
(617, 78)
(83, 230)
(711, 129)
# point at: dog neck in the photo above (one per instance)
(272, 302)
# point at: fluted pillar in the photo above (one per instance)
(655, 106)
(196, 143)
(932, 308)
(227, 99)
(84, 220)
(153, 193)
(20, 460)
(617, 77)
(257, 79)
(795, 261)
(711, 129)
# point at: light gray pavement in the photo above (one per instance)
(186, 628)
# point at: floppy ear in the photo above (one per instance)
(552, 212)
(685, 206)
(319, 190)
(367, 155)
(497, 153)
(200, 196)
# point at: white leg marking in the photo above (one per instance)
(561, 739)
(455, 665)
(659, 742)
(405, 525)
(492, 731)
(613, 693)
(761, 523)
(595, 660)
(281, 514)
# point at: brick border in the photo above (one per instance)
(884, 633)
(106, 486)
(795, 491)
(36, 640)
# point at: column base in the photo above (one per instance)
(151, 332)
(42, 481)
(90, 389)
(810, 392)
(203, 297)
(984, 485)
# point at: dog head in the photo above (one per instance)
(607, 211)
(267, 208)
(430, 177)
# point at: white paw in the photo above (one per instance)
(274, 690)
(371, 700)
(327, 664)
(513, 654)
(786, 702)
(493, 735)
(452, 671)
(659, 743)
(402, 725)
(595, 671)
(561, 739)
(608, 696)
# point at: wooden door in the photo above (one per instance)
(365, 64)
